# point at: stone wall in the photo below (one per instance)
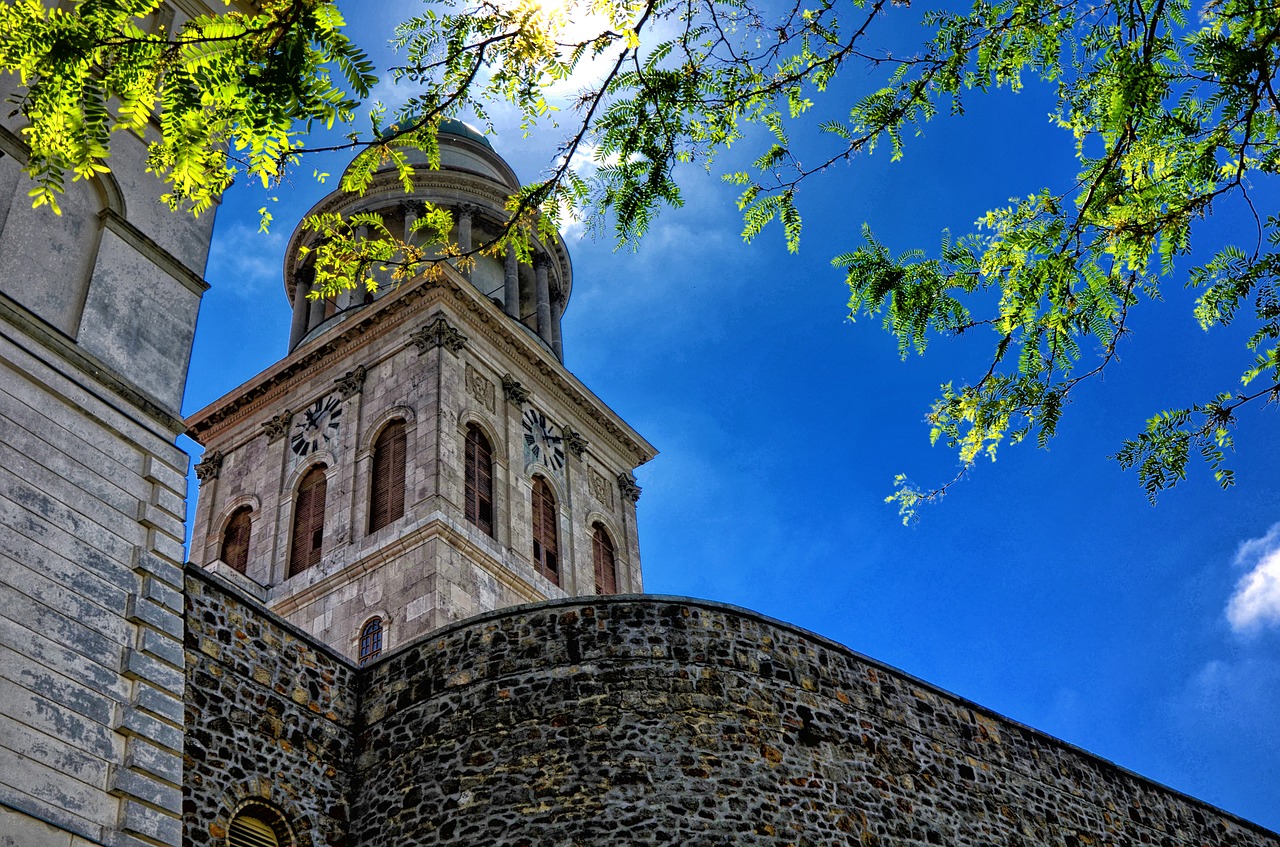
(269, 717)
(663, 721)
(633, 720)
(91, 521)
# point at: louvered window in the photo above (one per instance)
(370, 640)
(546, 551)
(602, 556)
(258, 825)
(479, 480)
(247, 831)
(308, 521)
(387, 492)
(235, 540)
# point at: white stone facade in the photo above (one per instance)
(97, 314)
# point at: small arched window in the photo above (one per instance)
(602, 556)
(546, 551)
(308, 521)
(370, 640)
(235, 539)
(387, 492)
(479, 480)
(259, 825)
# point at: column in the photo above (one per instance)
(511, 284)
(299, 326)
(557, 312)
(543, 293)
(465, 213)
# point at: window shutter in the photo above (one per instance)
(308, 522)
(235, 541)
(478, 496)
(605, 566)
(545, 549)
(387, 500)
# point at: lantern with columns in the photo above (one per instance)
(473, 182)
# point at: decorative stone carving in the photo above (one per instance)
(209, 467)
(479, 387)
(352, 383)
(600, 488)
(277, 426)
(414, 207)
(514, 391)
(627, 485)
(439, 333)
(574, 441)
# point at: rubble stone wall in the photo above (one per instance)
(269, 715)
(651, 720)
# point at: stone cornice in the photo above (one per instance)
(407, 307)
(435, 525)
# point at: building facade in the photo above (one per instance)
(97, 314)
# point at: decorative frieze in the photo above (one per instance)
(209, 467)
(439, 333)
(352, 383)
(600, 488)
(479, 387)
(513, 390)
(627, 485)
(277, 426)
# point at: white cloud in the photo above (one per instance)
(247, 262)
(1256, 601)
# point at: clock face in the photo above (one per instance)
(316, 427)
(541, 443)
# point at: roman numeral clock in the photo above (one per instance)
(316, 427)
(542, 440)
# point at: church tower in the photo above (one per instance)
(421, 455)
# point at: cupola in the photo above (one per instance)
(473, 182)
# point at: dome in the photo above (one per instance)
(474, 183)
(464, 129)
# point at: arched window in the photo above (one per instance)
(370, 640)
(602, 556)
(259, 825)
(546, 552)
(479, 480)
(387, 495)
(235, 539)
(308, 521)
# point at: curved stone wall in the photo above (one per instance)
(648, 720)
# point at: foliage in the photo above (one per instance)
(1172, 112)
(226, 92)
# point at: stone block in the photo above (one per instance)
(137, 819)
(135, 722)
(20, 830)
(167, 546)
(159, 703)
(167, 571)
(142, 755)
(142, 611)
(171, 478)
(128, 783)
(154, 589)
(161, 646)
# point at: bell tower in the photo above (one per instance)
(421, 455)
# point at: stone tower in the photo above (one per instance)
(421, 455)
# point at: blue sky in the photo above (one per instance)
(1045, 587)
